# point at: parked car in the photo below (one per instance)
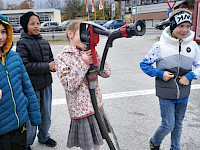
(163, 24)
(17, 28)
(113, 24)
(104, 21)
(48, 26)
(99, 22)
(62, 26)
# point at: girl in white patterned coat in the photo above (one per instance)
(72, 65)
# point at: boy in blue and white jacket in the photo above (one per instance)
(174, 54)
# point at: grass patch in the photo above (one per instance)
(58, 42)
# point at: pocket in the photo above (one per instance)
(171, 83)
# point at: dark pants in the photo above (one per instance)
(14, 140)
(45, 99)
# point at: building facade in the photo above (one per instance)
(151, 11)
(45, 15)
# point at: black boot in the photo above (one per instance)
(152, 147)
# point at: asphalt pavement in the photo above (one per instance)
(130, 101)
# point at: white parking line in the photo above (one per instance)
(121, 94)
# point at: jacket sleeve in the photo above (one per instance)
(152, 56)
(33, 105)
(31, 66)
(50, 54)
(71, 76)
(196, 62)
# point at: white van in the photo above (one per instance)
(48, 26)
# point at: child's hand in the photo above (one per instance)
(167, 75)
(52, 66)
(88, 57)
(0, 94)
(92, 76)
(183, 80)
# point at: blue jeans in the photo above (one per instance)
(172, 115)
(45, 100)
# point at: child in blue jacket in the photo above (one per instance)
(18, 101)
(174, 54)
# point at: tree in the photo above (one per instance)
(99, 13)
(12, 6)
(26, 4)
(107, 11)
(189, 4)
(53, 3)
(186, 4)
(1, 5)
(73, 8)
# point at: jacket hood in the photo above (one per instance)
(9, 40)
(166, 37)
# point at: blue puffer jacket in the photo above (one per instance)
(18, 100)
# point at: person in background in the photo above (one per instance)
(175, 55)
(18, 101)
(39, 62)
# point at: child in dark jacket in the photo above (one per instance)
(18, 101)
(38, 59)
(174, 54)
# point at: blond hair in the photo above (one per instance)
(176, 11)
(73, 26)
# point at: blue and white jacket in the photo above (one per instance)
(176, 56)
(18, 102)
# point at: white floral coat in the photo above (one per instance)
(71, 70)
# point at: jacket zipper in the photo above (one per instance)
(15, 108)
(179, 62)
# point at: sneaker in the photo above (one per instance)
(28, 148)
(50, 142)
(152, 147)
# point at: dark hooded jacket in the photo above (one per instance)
(18, 102)
(36, 55)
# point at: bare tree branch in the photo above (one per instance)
(73, 8)
(26, 4)
(53, 3)
(1, 5)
